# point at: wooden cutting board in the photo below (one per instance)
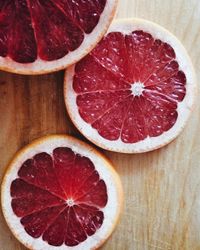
(162, 188)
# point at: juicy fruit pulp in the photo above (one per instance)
(45, 29)
(129, 87)
(59, 197)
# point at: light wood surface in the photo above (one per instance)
(162, 188)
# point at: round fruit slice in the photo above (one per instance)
(38, 37)
(60, 193)
(134, 92)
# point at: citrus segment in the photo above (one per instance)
(28, 198)
(56, 34)
(109, 124)
(130, 88)
(60, 196)
(85, 14)
(111, 53)
(43, 36)
(39, 172)
(94, 105)
(95, 78)
(16, 34)
(37, 223)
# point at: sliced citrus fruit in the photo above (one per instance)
(134, 92)
(38, 37)
(60, 193)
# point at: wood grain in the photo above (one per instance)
(162, 188)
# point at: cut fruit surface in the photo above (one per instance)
(134, 91)
(59, 193)
(37, 36)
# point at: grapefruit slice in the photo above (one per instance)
(134, 92)
(38, 37)
(60, 193)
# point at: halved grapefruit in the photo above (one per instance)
(38, 37)
(134, 92)
(60, 193)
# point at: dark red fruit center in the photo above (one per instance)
(129, 87)
(59, 197)
(45, 29)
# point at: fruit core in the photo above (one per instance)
(70, 202)
(137, 88)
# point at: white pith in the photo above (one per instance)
(110, 177)
(137, 88)
(70, 202)
(126, 26)
(41, 67)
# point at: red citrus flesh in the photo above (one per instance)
(46, 29)
(59, 197)
(104, 82)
